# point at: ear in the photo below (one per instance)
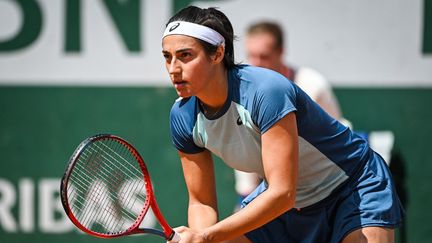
(219, 55)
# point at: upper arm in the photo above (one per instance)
(280, 155)
(274, 112)
(199, 176)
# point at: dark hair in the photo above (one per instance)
(214, 19)
(271, 28)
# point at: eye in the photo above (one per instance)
(185, 55)
(167, 57)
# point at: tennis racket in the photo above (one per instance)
(106, 190)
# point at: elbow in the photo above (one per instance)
(290, 197)
(285, 198)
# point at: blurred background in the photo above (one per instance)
(74, 68)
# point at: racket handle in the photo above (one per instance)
(175, 238)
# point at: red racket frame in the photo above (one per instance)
(150, 202)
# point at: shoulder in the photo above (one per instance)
(184, 109)
(183, 104)
(262, 79)
(269, 96)
(183, 117)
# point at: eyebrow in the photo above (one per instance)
(178, 51)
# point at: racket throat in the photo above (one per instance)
(154, 232)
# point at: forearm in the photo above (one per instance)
(201, 216)
(266, 207)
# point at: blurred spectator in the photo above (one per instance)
(265, 48)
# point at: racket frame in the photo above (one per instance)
(167, 232)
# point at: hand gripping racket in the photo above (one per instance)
(106, 190)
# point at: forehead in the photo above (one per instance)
(175, 42)
(260, 40)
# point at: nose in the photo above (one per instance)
(174, 67)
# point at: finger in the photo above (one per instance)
(176, 238)
(180, 229)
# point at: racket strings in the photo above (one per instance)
(109, 209)
(137, 172)
(96, 187)
(93, 197)
(116, 172)
(87, 175)
(104, 177)
(115, 182)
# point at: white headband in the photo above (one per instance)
(194, 30)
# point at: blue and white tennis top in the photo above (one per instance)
(329, 153)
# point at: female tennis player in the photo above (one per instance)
(322, 182)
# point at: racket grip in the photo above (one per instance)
(175, 238)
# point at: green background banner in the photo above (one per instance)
(41, 126)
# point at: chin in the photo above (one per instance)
(183, 94)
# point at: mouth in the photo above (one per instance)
(179, 84)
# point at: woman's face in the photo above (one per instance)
(188, 65)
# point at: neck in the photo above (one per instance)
(214, 96)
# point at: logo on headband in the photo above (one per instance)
(174, 27)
